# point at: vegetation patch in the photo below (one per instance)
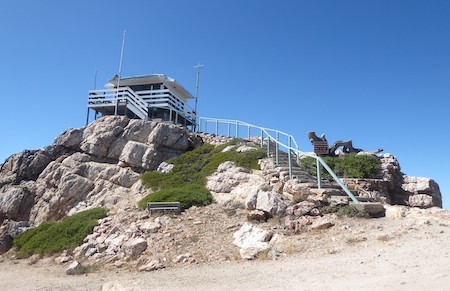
(348, 166)
(186, 182)
(189, 195)
(344, 211)
(51, 237)
(86, 269)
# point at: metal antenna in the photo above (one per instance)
(120, 70)
(95, 79)
(198, 66)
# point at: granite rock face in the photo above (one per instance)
(394, 187)
(391, 186)
(88, 167)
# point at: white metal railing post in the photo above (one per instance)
(248, 132)
(336, 178)
(319, 174)
(268, 146)
(229, 129)
(289, 157)
(217, 127)
(262, 138)
(237, 129)
(277, 148)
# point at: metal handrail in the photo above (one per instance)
(290, 149)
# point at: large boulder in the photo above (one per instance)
(252, 240)
(267, 201)
(232, 183)
(16, 201)
(134, 247)
(420, 185)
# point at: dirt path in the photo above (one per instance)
(380, 254)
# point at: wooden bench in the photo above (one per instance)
(164, 207)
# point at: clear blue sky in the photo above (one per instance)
(377, 72)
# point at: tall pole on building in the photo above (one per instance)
(95, 87)
(120, 71)
(198, 66)
(95, 79)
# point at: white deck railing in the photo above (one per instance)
(140, 102)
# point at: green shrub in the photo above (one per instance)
(348, 166)
(344, 210)
(51, 237)
(188, 195)
(185, 183)
(354, 166)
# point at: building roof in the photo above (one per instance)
(169, 82)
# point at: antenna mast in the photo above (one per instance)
(120, 71)
(95, 79)
(198, 66)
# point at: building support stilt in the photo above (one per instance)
(87, 117)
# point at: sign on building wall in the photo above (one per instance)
(320, 147)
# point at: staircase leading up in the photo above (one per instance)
(283, 148)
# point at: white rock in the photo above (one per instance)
(395, 211)
(135, 247)
(228, 148)
(323, 222)
(421, 200)
(152, 266)
(244, 148)
(112, 286)
(91, 251)
(150, 227)
(251, 240)
(267, 201)
(164, 167)
(163, 220)
(73, 268)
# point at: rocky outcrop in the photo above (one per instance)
(394, 187)
(391, 186)
(99, 165)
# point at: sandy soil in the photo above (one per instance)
(356, 254)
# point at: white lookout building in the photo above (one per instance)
(148, 97)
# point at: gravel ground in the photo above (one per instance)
(355, 254)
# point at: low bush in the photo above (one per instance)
(344, 211)
(348, 166)
(51, 237)
(188, 195)
(185, 183)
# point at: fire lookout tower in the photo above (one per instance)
(147, 97)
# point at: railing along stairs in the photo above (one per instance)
(275, 141)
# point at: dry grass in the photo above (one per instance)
(383, 238)
(355, 239)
